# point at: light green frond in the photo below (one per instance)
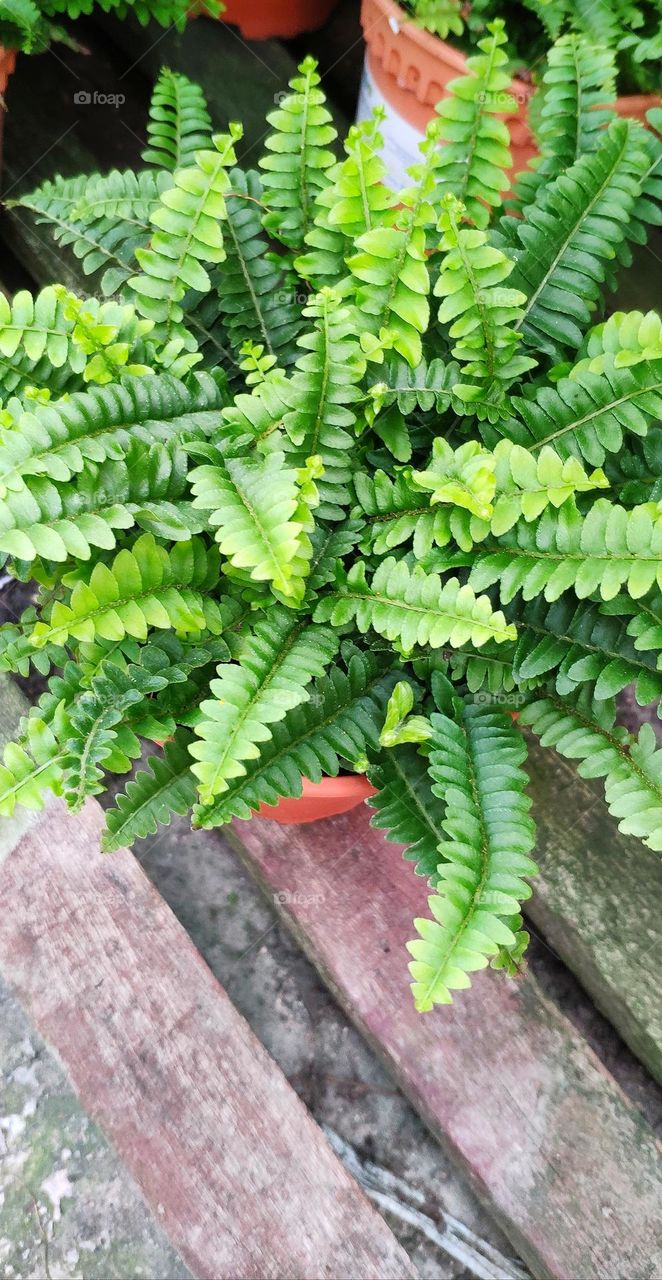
(473, 163)
(601, 552)
(475, 759)
(278, 660)
(339, 723)
(412, 607)
(252, 505)
(480, 312)
(298, 158)
(186, 234)
(179, 123)
(631, 767)
(145, 586)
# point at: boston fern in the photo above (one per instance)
(336, 478)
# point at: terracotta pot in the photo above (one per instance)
(407, 71)
(636, 105)
(7, 65)
(272, 19)
(320, 799)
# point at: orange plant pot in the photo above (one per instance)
(7, 65)
(407, 71)
(635, 106)
(273, 19)
(320, 800)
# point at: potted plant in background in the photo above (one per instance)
(414, 51)
(343, 533)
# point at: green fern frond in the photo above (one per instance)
(473, 163)
(147, 487)
(565, 241)
(298, 158)
(22, 26)
(253, 296)
(145, 586)
(99, 242)
(277, 662)
(153, 796)
(407, 809)
(481, 315)
(426, 386)
(128, 197)
(340, 722)
(30, 768)
(485, 492)
(186, 234)
(578, 88)
(588, 415)
(627, 337)
(17, 652)
(96, 728)
(252, 505)
(441, 17)
(396, 511)
(601, 552)
(179, 123)
(391, 281)
(58, 439)
(475, 760)
(412, 607)
(645, 620)
(631, 767)
(322, 394)
(577, 644)
(355, 200)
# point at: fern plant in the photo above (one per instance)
(32, 25)
(337, 478)
(631, 30)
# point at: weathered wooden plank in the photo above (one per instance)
(597, 903)
(545, 1134)
(239, 1175)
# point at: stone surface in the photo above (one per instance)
(67, 1205)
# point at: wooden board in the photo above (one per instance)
(228, 1158)
(546, 1136)
(597, 902)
